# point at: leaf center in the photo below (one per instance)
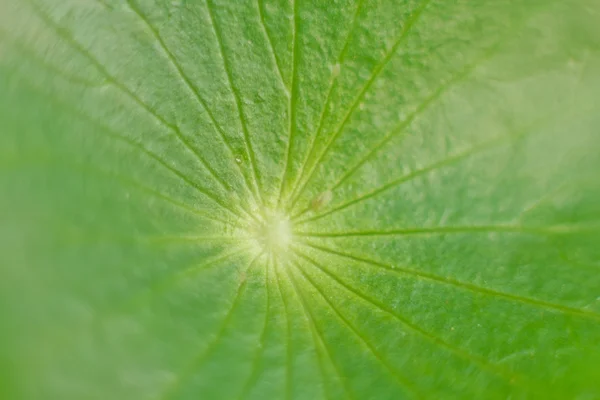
(273, 231)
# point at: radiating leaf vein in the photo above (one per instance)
(400, 378)
(419, 274)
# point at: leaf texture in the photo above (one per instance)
(299, 199)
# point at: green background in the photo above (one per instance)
(304, 199)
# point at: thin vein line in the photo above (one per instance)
(474, 150)
(171, 57)
(261, 15)
(197, 238)
(332, 83)
(288, 370)
(412, 20)
(533, 230)
(130, 182)
(109, 132)
(319, 340)
(256, 363)
(236, 96)
(196, 363)
(105, 4)
(178, 173)
(438, 341)
(406, 178)
(545, 197)
(21, 47)
(116, 136)
(400, 128)
(404, 382)
(292, 102)
(174, 202)
(67, 37)
(419, 274)
(159, 287)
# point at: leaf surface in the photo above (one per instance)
(268, 199)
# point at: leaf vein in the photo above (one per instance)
(65, 35)
(404, 382)
(438, 341)
(288, 370)
(459, 284)
(197, 362)
(319, 341)
(292, 102)
(187, 81)
(236, 96)
(255, 369)
(412, 20)
(532, 230)
(332, 82)
(261, 15)
(406, 178)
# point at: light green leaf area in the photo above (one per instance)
(301, 199)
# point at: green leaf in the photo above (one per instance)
(302, 199)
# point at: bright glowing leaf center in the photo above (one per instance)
(274, 232)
